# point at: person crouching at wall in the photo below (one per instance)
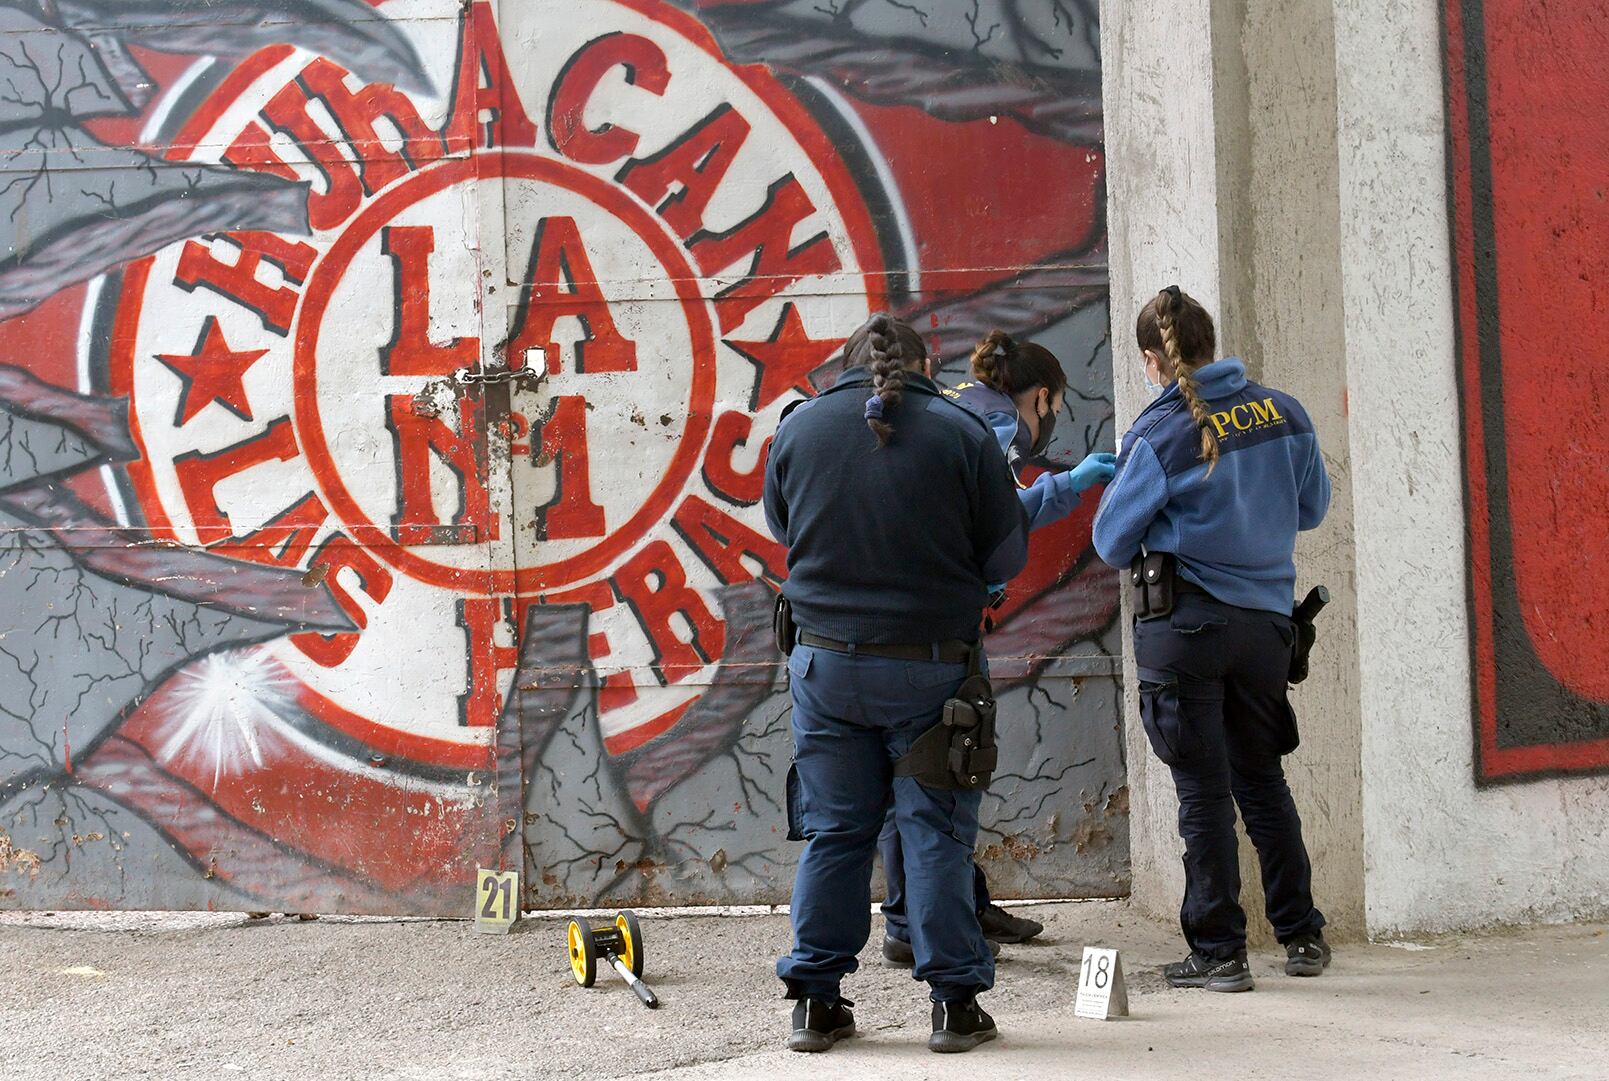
(1213, 482)
(897, 509)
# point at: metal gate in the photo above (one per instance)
(384, 396)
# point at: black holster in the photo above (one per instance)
(1302, 617)
(782, 625)
(960, 751)
(1151, 579)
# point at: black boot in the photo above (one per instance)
(1308, 955)
(960, 1026)
(1001, 926)
(1198, 971)
(897, 953)
(818, 1024)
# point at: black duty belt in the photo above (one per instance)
(1181, 584)
(953, 651)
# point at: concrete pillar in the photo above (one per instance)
(1163, 224)
(1221, 149)
(1442, 853)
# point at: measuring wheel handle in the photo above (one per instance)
(583, 953)
(630, 940)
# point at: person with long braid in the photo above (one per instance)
(897, 509)
(1213, 482)
(1018, 388)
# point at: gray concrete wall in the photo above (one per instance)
(1281, 252)
(1162, 197)
(1221, 150)
(1441, 853)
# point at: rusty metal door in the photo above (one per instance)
(687, 247)
(384, 391)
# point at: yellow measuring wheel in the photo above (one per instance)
(620, 943)
(583, 954)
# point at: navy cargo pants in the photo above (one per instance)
(895, 925)
(852, 717)
(1213, 702)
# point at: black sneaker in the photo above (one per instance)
(818, 1024)
(1001, 926)
(1308, 955)
(960, 1026)
(897, 953)
(1198, 971)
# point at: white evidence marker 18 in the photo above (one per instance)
(1102, 994)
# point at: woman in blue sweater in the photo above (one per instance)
(1218, 474)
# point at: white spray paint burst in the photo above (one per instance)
(218, 704)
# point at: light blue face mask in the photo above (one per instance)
(1154, 389)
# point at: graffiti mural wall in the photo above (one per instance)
(384, 395)
(1528, 154)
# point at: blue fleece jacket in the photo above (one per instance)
(1233, 531)
(1051, 497)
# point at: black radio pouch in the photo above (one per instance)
(782, 625)
(1151, 579)
(960, 752)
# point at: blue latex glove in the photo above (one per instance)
(1096, 468)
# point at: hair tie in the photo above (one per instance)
(874, 407)
(1173, 291)
(999, 350)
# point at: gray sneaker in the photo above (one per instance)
(1308, 955)
(1233, 974)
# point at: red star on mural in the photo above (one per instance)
(786, 359)
(213, 373)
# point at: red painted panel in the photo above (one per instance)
(1529, 156)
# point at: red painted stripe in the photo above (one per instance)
(633, 738)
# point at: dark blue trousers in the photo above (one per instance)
(893, 853)
(852, 717)
(1213, 702)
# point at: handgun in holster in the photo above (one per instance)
(783, 627)
(960, 752)
(1302, 616)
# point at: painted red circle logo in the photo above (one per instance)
(525, 350)
(578, 526)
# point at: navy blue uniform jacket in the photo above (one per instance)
(892, 544)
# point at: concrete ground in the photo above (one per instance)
(124, 996)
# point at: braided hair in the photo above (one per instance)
(1177, 328)
(1011, 367)
(890, 350)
